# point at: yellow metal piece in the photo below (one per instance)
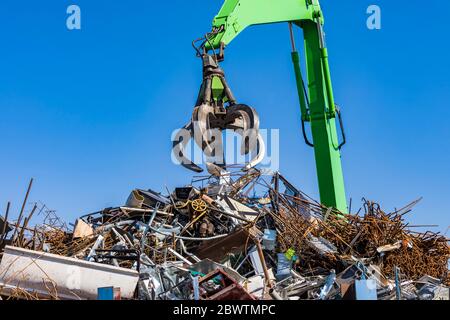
(183, 205)
(198, 205)
(197, 218)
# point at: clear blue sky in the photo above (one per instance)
(89, 113)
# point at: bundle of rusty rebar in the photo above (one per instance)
(416, 254)
(428, 256)
(293, 234)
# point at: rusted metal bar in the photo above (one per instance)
(19, 219)
(5, 226)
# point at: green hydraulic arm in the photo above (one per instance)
(315, 96)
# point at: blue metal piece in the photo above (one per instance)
(283, 267)
(398, 290)
(366, 290)
(108, 293)
(269, 239)
(195, 284)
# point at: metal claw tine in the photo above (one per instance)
(261, 147)
(202, 127)
(179, 146)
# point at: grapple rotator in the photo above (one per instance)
(216, 110)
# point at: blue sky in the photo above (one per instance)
(89, 113)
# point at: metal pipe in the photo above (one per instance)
(263, 263)
(275, 295)
(188, 238)
(291, 33)
(117, 224)
(326, 68)
(146, 210)
(398, 289)
(153, 215)
(231, 215)
(242, 262)
(183, 248)
(147, 227)
(179, 256)
(94, 247)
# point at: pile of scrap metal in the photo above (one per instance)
(232, 235)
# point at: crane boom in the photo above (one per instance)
(236, 15)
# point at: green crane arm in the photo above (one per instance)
(236, 15)
(316, 96)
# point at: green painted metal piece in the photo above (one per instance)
(323, 125)
(218, 90)
(235, 16)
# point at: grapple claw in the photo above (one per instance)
(211, 117)
(261, 148)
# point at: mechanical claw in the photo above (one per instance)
(211, 117)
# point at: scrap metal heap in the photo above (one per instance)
(231, 235)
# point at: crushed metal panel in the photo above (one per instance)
(366, 289)
(82, 229)
(184, 193)
(430, 288)
(152, 198)
(241, 208)
(218, 249)
(232, 210)
(322, 245)
(256, 261)
(69, 278)
(135, 200)
(255, 285)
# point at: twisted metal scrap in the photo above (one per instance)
(420, 253)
